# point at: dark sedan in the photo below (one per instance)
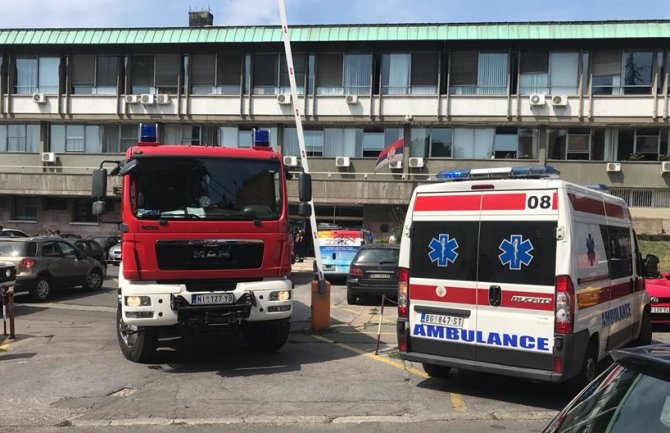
(373, 272)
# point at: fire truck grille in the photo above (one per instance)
(209, 254)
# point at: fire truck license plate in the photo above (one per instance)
(439, 319)
(212, 299)
(660, 310)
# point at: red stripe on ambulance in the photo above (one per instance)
(470, 296)
(504, 202)
(451, 202)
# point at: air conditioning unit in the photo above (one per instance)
(291, 161)
(537, 100)
(665, 167)
(559, 100)
(132, 99)
(284, 98)
(395, 164)
(148, 98)
(613, 167)
(162, 99)
(39, 98)
(416, 162)
(352, 99)
(49, 157)
(342, 161)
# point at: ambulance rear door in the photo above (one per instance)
(516, 277)
(443, 273)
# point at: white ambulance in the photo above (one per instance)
(516, 272)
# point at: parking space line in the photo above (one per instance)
(456, 399)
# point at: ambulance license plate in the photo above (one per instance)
(440, 319)
(213, 299)
(660, 310)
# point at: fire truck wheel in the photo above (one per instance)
(266, 336)
(439, 371)
(645, 331)
(137, 344)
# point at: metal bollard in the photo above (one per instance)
(7, 281)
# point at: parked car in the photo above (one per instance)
(93, 249)
(373, 272)
(69, 236)
(114, 255)
(658, 286)
(630, 396)
(13, 233)
(107, 241)
(45, 263)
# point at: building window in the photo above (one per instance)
(483, 73)
(639, 145)
(118, 138)
(216, 74)
(95, 75)
(19, 138)
(357, 70)
(82, 211)
(433, 142)
(190, 135)
(36, 74)
(155, 74)
(534, 72)
(25, 209)
(563, 73)
(396, 74)
(233, 136)
(637, 72)
(329, 74)
(314, 142)
(270, 76)
(75, 138)
(424, 74)
(569, 144)
(375, 140)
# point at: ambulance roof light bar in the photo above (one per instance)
(534, 172)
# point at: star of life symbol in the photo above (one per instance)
(515, 252)
(443, 250)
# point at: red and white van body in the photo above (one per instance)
(517, 276)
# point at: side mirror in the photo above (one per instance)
(128, 167)
(98, 207)
(99, 184)
(304, 209)
(651, 266)
(305, 187)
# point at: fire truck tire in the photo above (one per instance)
(266, 336)
(645, 331)
(137, 344)
(438, 371)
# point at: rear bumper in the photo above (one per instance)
(360, 289)
(568, 351)
(660, 318)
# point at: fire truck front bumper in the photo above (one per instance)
(153, 304)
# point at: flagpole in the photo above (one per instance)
(301, 140)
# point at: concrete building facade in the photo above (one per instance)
(589, 98)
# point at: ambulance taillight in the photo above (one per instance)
(403, 292)
(565, 305)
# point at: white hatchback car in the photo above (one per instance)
(114, 256)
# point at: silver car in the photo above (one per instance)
(45, 263)
(114, 255)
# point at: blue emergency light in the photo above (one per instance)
(260, 137)
(148, 132)
(534, 171)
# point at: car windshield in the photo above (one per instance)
(206, 188)
(378, 255)
(619, 402)
(17, 249)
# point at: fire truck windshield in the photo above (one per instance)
(206, 188)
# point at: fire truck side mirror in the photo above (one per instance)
(99, 184)
(98, 207)
(304, 209)
(305, 187)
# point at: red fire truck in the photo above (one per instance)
(205, 242)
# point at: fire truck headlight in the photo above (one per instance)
(138, 301)
(281, 295)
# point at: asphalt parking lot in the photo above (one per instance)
(65, 371)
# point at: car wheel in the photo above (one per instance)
(352, 299)
(266, 336)
(42, 289)
(439, 371)
(93, 280)
(588, 371)
(137, 344)
(645, 331)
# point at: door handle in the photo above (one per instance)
(495, 293)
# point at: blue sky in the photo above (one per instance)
(168, 13)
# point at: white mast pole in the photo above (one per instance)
(301, 137)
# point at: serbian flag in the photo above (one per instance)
(393, 152)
